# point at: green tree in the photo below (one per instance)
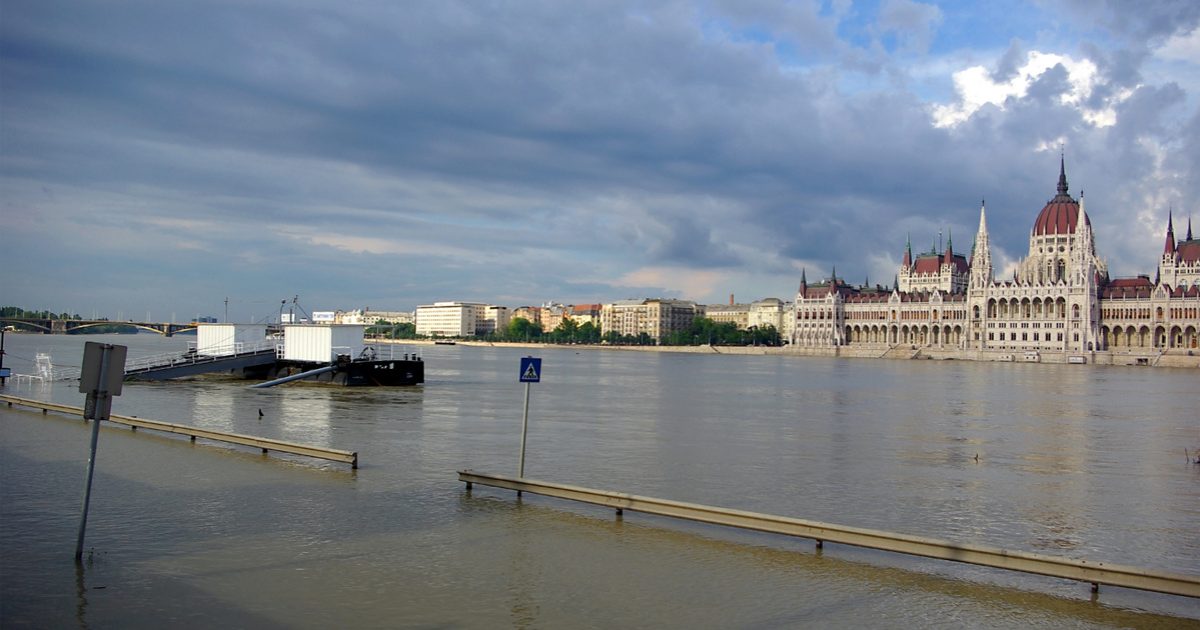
(589, 333)
(521, 329)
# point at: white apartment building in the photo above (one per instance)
(460, 319)
(495, 318)
(771, 312)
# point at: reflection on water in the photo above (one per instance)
(1051, 459)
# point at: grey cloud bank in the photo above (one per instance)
(165, 156)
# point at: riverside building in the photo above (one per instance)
(1061, 298)
(655, 317)
(460, 319)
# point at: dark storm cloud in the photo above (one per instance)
(1138, 21)
(487, 152)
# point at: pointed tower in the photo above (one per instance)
(1169, 247)
(1189, 234)
(1062, 174)
(1083, 253)
(981, 254)
(907, 253)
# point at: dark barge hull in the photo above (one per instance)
(377, 373)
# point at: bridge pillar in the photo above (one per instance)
(58, 327)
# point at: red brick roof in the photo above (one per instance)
(1188, 251)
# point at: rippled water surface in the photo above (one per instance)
(1079, 461)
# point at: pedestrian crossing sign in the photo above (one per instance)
(531, 370)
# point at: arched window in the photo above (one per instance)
(1075, 311)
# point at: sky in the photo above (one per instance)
(158, 159)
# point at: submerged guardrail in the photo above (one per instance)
(266, 444)
(1096, 573)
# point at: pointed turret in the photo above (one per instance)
(1062, 174)
(949, 245)
(1169, 247)
(908, 252)
(803, 281)
(1189, 234)
(981, 253)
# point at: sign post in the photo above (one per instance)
(100, 378)
(4, 372)
(531, 372)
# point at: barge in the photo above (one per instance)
(321, 353)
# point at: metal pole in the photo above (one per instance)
(101, 413)
(524, 430)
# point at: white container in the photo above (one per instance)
(218, 340)
(321, 343)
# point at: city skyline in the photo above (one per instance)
(372, 155)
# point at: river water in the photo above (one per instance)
(1079, 461)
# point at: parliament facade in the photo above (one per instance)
(1060, 299)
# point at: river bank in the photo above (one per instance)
(1149, 358)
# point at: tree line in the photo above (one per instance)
(702, 331)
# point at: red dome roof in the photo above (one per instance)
(1061, 214)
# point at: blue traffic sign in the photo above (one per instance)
(531, 370)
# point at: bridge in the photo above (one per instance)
(66, 326)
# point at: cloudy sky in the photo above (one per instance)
(160, 157)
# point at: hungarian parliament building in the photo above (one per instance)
(1061, 298)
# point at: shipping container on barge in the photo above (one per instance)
(321, 353)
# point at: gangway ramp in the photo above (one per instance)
(176, 365)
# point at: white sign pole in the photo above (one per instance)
(524, 430)
(101, 401)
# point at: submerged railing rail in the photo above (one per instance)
(1096, 573)
(266, 444)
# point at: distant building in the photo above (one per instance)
(772, 312)
(552, 315)
(495, 319)
(585, 314)
(736, 314)
(460, 319)
(655, 317)
(391, 317)
(531, 314)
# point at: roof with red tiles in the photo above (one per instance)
(1188, 252)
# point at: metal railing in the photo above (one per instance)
(266, 444)
(1082, 570)
(191, 357)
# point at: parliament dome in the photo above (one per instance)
(1061, 214)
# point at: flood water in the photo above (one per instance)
(1079, 461)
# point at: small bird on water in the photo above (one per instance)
(260, 414)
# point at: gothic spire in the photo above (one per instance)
(908, 251)
(949, 244)
(1062, 174)
(1189, 236)
(1169, 247)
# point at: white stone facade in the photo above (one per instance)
(1060, 300)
